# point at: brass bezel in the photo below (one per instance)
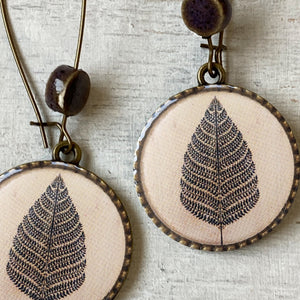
(203, 89)
(102, 184)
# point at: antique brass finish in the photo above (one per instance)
(21, 71)
(217, 69)
(63, 147)
(214, 66)
(14, 50)
(206, 18)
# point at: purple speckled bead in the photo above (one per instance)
(67, 90)
(206, 17)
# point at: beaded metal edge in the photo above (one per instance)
(105, 187)
(139, 186)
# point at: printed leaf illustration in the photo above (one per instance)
(218, 184)
(47, 259)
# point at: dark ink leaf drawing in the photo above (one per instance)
(47, 259)
(219, 183)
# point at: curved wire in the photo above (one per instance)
(21, 69)
(80, 35)
(76, 63)
(61, 127)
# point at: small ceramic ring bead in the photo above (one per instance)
(67, 90)
(206, 17)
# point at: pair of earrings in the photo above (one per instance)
(217, 168)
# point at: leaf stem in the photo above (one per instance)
(218, 172)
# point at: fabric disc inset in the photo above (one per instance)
(217, 167)
(64, 234)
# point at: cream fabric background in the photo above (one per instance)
(138, 54)
(100, 219)
(162, 160)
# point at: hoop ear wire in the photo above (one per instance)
(20, 67)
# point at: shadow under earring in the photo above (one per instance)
(217, 166)
(64, 232)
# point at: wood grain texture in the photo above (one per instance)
(138, 54)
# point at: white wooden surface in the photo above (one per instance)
(138, 53)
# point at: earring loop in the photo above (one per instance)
(216, 68)
(63, 147)
(21, 68)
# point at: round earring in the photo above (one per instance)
(217, 166)
(64, 232)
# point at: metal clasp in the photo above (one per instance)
(214, 66)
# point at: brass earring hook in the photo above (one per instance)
(21, 71)
(207, 18)
(17, 59)
(76, 64)
(214, 66)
